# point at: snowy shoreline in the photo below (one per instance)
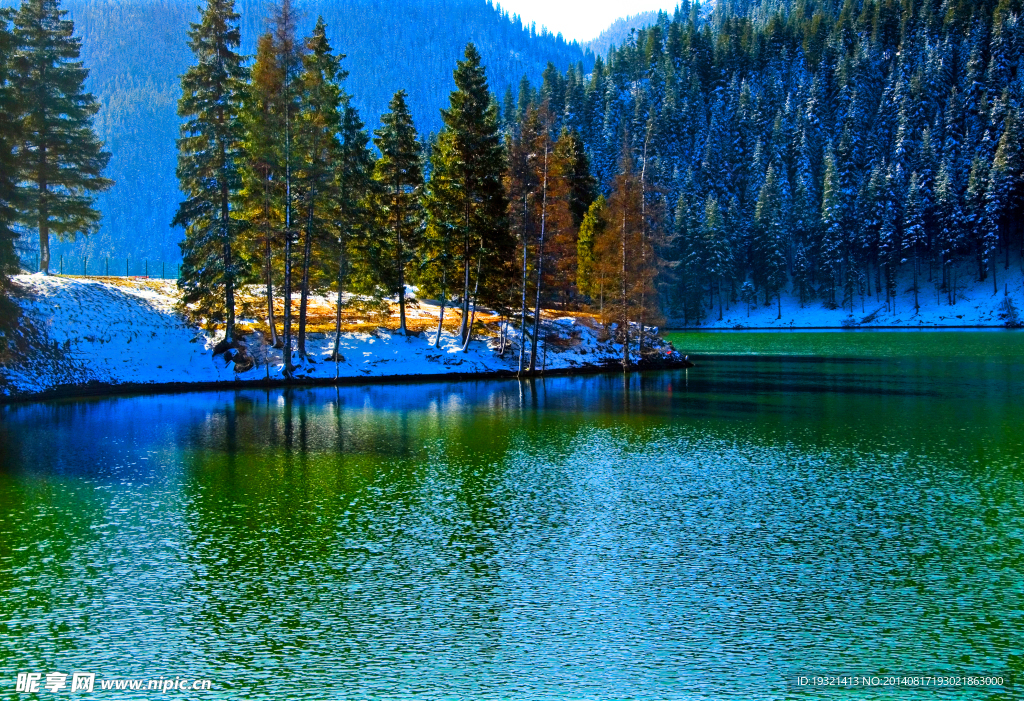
(86, 336)
(976, 306)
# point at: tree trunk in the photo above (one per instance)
(522, 329)
(307, 251)
(625, 311)
(401, 260)
(917, 303)
(719, 297)
(463, 329)
(476, 290)
(268, 261)
(337, 317)
(540, 263)
(643, 249)
(229, 277)
(440, 317)
(401, 289)
(288, 303)
(269, 272)
(44, 229)
(995, 285)
(287, 351)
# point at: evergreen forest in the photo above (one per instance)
(832, 151)
(841, 150)
(137, 50)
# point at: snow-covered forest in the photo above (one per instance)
(831, 149)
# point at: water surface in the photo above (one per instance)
(704, 534)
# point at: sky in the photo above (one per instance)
(581, 20)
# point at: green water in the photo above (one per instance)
(995, 345)
(704, 534)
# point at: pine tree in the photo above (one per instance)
(209, 155)
(979, 233)
(9, 128)
(474, 168)
(562, 228)
(1005, 196)
(61, 161)
(289, 58)
(318, 149)
(951, 226)
(398, 180)
(617, 248)
(544, 202)
(913, 231)
(588, 279)
(354, 169)
(261, 198)
(582, 186)
(832, 227)
(888, 240)
(520, 186)
(689, 217)
(438, 273)
(717, 253)
(806, 201)
(768, 242)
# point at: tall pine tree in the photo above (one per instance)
(770, 265)
(289, 58)
(318, 148)
(9, 128)
(474, 167)
(438, 274)
(209, 155)
(398, 188)
(354, 172)
(262, 196)
(61, 161)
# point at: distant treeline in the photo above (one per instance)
(823, 146)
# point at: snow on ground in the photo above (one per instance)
(90, 331)
(976, 305)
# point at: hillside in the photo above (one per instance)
(136, 51)
(619, 30)
(834, 155)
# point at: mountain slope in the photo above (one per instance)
(618, 31)
(136, 50)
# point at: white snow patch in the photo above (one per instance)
(976, 305)
(132, 334)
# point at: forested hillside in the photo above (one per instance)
(826, 149)
(619, 31)
(136, 51)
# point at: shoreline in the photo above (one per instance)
(100, 390)
(84, 338)
(775, 329)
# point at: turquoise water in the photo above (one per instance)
(988, 345)
(704, 534)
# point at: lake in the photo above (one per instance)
(711, 533)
